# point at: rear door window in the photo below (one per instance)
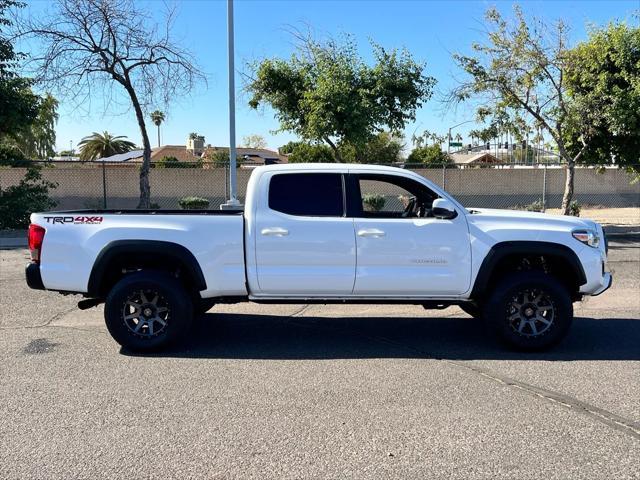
(307, 194)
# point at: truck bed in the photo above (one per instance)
(75, 239)
(146, 212)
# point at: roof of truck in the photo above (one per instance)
(287, 167)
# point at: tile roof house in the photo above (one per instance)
(259, 156)
(471, 159)
(256, 156)
(178, 151)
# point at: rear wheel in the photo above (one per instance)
(529, 311)
(148, 311)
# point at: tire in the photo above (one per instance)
(471, 309)
(529, 311)
(148, 311)
(203, 305)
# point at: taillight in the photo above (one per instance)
(36, 236)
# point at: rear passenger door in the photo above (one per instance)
(305, 244)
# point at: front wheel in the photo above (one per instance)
(529, 311)
(147, 311)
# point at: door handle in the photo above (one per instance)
(371, 232)
(275, 231)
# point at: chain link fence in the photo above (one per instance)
(116, 186)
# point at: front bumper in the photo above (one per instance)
(607, 280)
(34, 279)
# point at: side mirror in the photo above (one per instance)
(443, 208)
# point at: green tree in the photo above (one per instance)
(96, 146)
(38, 140)
(430, 155)
(522, 68)
(311, 153)
(157, 117)
(18, 104)
(10, 156)
(327, 93)
(603, 81)
(288, 147)
(220, 158)
(253, 141)
(381, 148)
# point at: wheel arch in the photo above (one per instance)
(152, 254)
(570, 269)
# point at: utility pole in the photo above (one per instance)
(232, 201)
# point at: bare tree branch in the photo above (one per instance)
(87, 46)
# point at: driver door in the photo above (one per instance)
(406, 253)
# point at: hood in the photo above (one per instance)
(531, 218)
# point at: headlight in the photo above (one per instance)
(588, 237)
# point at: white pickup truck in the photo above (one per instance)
(317, 233)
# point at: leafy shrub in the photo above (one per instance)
(173, 162)
(167, 162)
(93, 204)
(374, 202)
(536, 206)
(18, 202)
(194, 203)
(574, 208)
(154, 206)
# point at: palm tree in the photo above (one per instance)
(157, 117)
(103, 145)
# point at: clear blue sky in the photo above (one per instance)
(431, 30)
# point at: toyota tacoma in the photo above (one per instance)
(323, 234)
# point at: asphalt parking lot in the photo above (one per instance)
(331, 391)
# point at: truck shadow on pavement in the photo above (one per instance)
(242, 336)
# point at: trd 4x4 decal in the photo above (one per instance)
(74, 220)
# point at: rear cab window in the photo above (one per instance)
(307, 194)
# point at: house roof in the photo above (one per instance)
(470, 158)
(178, 151)
(122, 157)
(258, 155)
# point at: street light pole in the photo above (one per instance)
(232, 202)
(449, 136)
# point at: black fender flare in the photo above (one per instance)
(112, 250)
(504, 249)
